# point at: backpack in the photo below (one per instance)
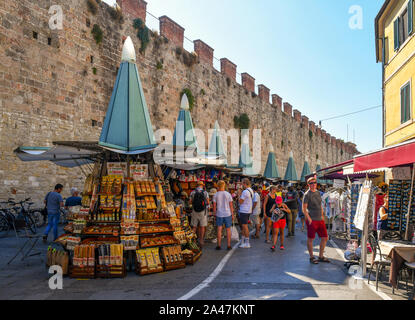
(199, 201)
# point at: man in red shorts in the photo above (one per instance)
(314, 215)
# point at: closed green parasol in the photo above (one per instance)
(127, 126)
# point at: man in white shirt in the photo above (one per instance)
(245, 210)
(223, 209)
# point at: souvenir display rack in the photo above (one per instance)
(399, 191)
(354, 193)
(126, 221)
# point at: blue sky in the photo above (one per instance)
(303, 50)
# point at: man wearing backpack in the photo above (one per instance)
(199, 199)
(245, 210)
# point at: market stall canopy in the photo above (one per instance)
(291, 172)
(306, 171)
(127, 126)
(271, 169)
(61, 155)
(341, 176)
(395, 156)
(216, 145)
(184, 133)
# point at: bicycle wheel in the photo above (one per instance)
(4, 226)
(38, 218)
(30, 224)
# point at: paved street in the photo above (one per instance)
(256, 273)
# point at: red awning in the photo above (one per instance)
(338, 165)
(399, 155)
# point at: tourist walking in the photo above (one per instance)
(245, 210)
(268, 204)
(314, 213)
(54, 203)
(199, 199)
(279, 213)
(223, 210)
(291, 200)
(256, 212)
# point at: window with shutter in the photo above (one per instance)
(406, 103)
(403, 27)
(396, 33)
(410, 16)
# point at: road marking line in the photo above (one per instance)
(372, 287)
(214, 274)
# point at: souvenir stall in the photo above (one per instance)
(398, 164)
(128, 220)
(341, 200)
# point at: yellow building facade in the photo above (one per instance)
(395, 49)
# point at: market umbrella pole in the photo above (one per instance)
(410, 203)
(128, 166)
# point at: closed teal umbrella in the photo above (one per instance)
(216, 145)
(127, 126)
(271, 169)
(245, 158)
(184, 134)
(306, 171)
(291, 172)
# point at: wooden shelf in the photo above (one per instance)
(152, 221)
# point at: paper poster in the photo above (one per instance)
(401, 173)
(117, 169)
(362, 205)
(139, 171)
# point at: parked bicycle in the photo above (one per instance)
(20, 216)
(7, 218)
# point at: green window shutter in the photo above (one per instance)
(396, 33)
(410, 17)
(408, 102)
(403, 105)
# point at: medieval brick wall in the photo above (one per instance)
(56, 84)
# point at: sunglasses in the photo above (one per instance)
(311, 183)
